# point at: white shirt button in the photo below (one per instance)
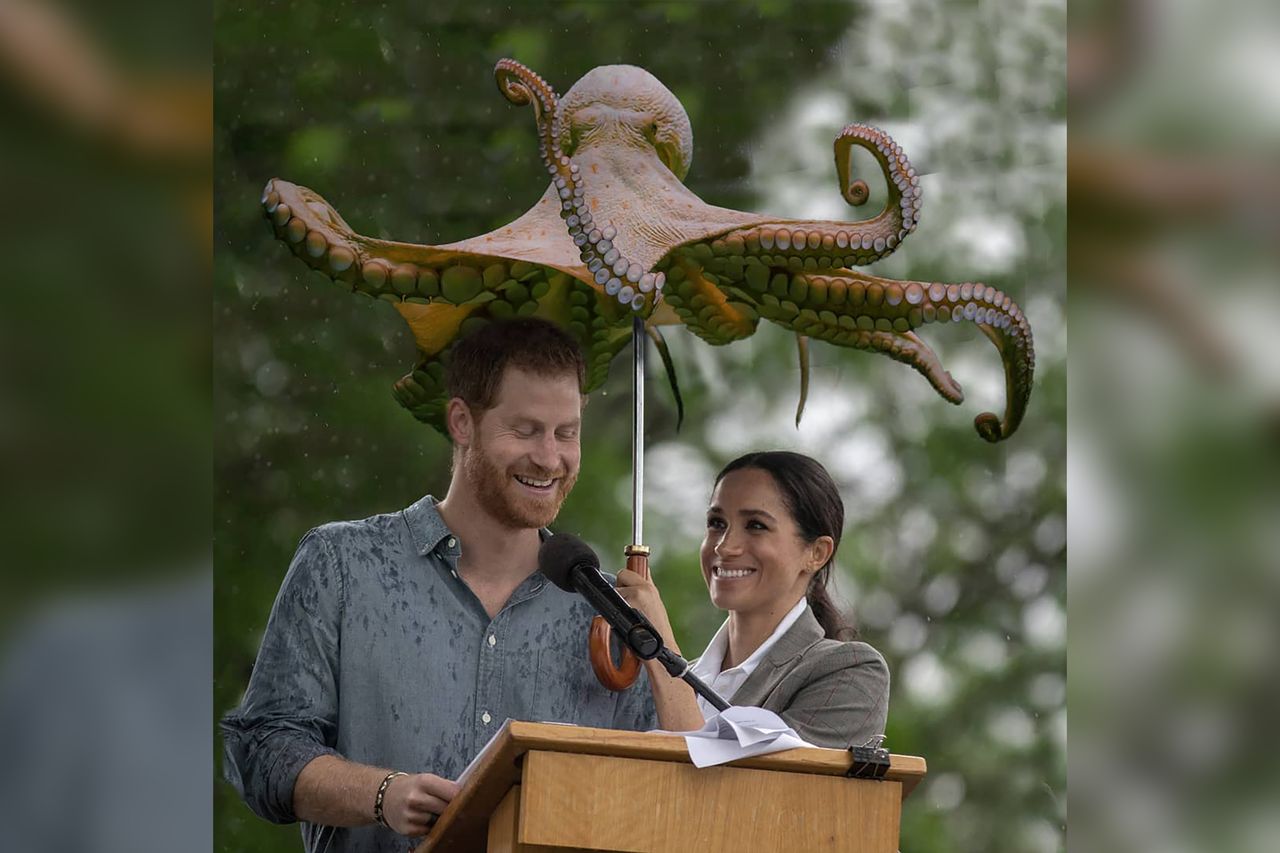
(485, 716)
(493, 641)
(452, 542)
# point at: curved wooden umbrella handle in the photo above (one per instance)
(616, 676)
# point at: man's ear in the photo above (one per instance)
(460, 422)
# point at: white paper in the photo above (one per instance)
(462, 777)
(740, 732)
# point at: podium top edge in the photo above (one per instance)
(908, 769)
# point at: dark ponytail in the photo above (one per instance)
(813, 500)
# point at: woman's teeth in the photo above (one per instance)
(537, 484)
(733, 573)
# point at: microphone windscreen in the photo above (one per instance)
(558, 555)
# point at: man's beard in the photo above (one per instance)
(498, 494)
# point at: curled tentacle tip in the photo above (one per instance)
(508, 73)
(514, 91)
(989, 427)
(857, 193)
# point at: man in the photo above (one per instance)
(399, 644)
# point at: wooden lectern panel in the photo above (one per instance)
(533, 771)
(504, 825)
(504, 829)
(573, 802)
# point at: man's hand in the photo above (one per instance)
(412, 803)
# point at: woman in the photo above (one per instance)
(773, 527)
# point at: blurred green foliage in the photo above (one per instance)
(104, 356)
(954, 554)
(1175, 405)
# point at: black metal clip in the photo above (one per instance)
(869, 761)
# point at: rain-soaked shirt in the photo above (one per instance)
(376, 651)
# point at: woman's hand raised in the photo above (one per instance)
(674, 700)
(641, 594)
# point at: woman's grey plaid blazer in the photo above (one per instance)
(833, 693)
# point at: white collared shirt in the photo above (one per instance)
(726, 683)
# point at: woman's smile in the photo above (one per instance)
(727, 573)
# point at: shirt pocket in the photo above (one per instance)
(566, 690)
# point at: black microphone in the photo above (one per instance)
(570, 564)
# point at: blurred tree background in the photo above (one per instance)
(953, 560)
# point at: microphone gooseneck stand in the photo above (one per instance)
(646, 643)
(572, 566)
(679, 668)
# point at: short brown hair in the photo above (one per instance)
(532, 344)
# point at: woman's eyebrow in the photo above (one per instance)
(715, 509)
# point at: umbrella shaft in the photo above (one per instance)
(637, 431)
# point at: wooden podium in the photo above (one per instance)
(543, 787)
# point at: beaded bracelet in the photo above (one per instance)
(382, 792)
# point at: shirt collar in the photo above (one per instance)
(427, 530)
(712, 660)
(426, 527)
(708, 664)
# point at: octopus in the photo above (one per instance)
(617, 236)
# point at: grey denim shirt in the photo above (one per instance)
(376, 651)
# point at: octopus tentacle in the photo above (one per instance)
(802, 346)
(815, 244)
(1017, 378)
(443, 292)
(902, 208)
(521, 86)
(854, 309)
(321, 238)
(626, 280)
(849, 308)
(705, 302)
(664, 352)
(921, 356)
